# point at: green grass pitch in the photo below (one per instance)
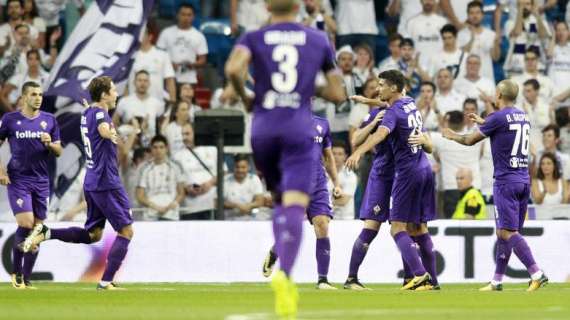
(79, 301)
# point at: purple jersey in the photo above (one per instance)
(102, 164)
(383, 163)
(286, 58)
(321, 141)
(401, 119)
(29, 155)
(509, 130)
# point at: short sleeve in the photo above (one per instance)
(54, 133)
(491, 125)
(143, 183)
(179, 172)
(245, 42)
(390, 119)
(4, 129)
(369, 117)
(167, 68)
(327, 139)
(202, 45)
(257, 186)
(349, 184)
(101, 117)
(162, 42)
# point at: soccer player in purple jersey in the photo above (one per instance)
(508, 128)
(104, 193)
(33, 135)
(319, 211)
(413, 191)
(286, 57)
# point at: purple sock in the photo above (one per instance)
(323, 254)
(288, 231)
(522, 251)
(17, 253)
(409, 253)
(29, 262)
(502, 256)
(71, 234)
(115, 258)
(359, 250)
(428, 255)
(407, 272)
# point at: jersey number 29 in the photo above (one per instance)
(415, 122)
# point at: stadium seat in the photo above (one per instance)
(203, 96)
(220, 42)
(167, 9)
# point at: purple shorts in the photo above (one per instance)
(112, 205)
(376, 200)
(320, 203)
(29, 197)
(511, 202)
(413, 197)
(286, 161)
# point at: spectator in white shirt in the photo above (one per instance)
(480, 40)
(529, 30)
(172, 129)
(531, 60)
(404, 10)
(141, 105)
(424, 29)
(199, 167)
(512, 7)
(391, 62)
(50, 11)
(411, 68)
(364, 64)
(247, 15)
(447, 98)
(548, 187)
(161, 185)
(550, 143)
(559, 56)
(12, 88)
(452, 156)
(469, 106)
(428, 106)
(185, 44)
(157, 63)
(15, 15)
(455, 11)
(318, 14)
(360, 110)
(344, 204)
(451, 56)
(538, 110)
(186, 94)
(356, 22)
(243, 191)
(475, 86)
(31, 17)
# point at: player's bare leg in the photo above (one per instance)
(359, 251)
(323, 248)
(410, 255)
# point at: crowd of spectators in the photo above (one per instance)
(452, 53)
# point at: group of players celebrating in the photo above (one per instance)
(288, 144)
(287, 141)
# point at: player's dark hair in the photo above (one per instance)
(394, 77)
(469, 101)
(407, 42)
(532, 82)
(449, 28)
(241, 157)
(555, 172)
(340, 144)
(474, 4)
(455, 117)
(33, 52)
(431, 84)
(29, 84)
(159, 138)
(186, 5)
(395, 37)
(98, 86)
(554, 128)
(143, 71)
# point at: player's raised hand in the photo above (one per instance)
(353, 160)
(358, 98)
(476, 118)
(45, 139)
(114, 136)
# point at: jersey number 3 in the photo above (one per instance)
(285, 80)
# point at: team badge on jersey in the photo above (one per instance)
(376, 209)
(43, 124)
(20, 202)
(319, 128)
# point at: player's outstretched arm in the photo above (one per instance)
(330, 166)
(367, 101)
(361, 134)
(464, 139)
(236, 72)
(373, 139)
(333, 91)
